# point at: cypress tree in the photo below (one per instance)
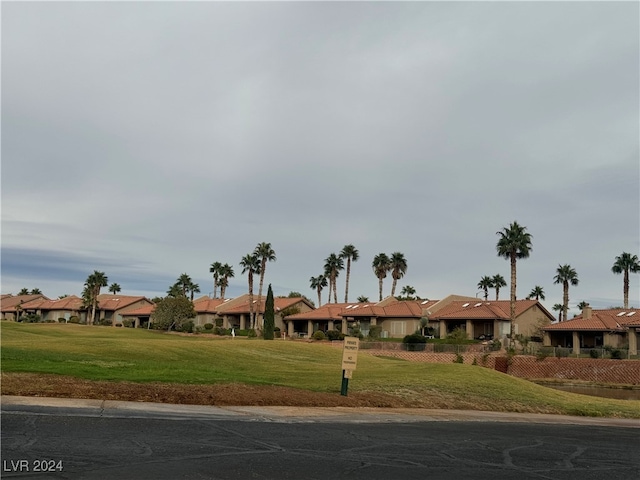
(269, 316)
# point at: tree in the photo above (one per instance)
(319, 283)
(398, 269)
(92, 287)
(115, 288)
(362, 299)
(537, 292)
(215, 269)
(558, 307)
(626, 263)
(408, 292)
(184, 282)
(193, 289)
(250, 265)
(36, 291)
(350, 253)
(582, 304)
(566, 276)
(485, 284)
(175, 291)
(24, 291)
(269, 315)
(498, 282)
(514, 243)
(172, 312)
(266, 254)
(226, 272)
(332, 266)
(381, 265)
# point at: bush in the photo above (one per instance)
(199, 329)
(318, 335)
(74, 319)
(562, 352)
(544, 352)
(220, 331)
(128, 323)
(30, 318)
(458, 336)
(375, 331)
(62, 320)
(187, 327)
(334, 335)
(616, 354)
(593, 353)
(251, 333)
(414, 342)
(218, 322)
(496, 345)
(459, 359)
(208, 326)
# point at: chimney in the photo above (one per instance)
(586, 312)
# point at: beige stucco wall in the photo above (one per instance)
(394, 326)
(528, 322)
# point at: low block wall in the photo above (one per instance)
(586, 369)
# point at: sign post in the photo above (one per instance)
(349, 361)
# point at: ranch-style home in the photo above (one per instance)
(615, 327)
(491, 319)
(11, 305)
(235, 312)
(56, 310)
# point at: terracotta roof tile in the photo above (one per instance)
(329, 311)
(143, 311)
(207, 305)
(72, 302)
(108, 301)
(9, 302)
(496, 309)
(279, 303)
(615, 319)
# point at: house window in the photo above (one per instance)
(398, 328)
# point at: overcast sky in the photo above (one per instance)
(147, 140)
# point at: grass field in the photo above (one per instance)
(141, 356)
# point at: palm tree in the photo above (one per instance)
(565, 275)
(92, 287)
(582, 304)
(319, 283)
(266, 254)
(498, 282)
(193, 288)
(381, 266)
(226, 272)
(557, 307)
(514, 243)
(215, 270)
(250, 265)
(36, 291)
(537, 292)
(184, 281)
(24, 291)
(362, 299)
(332, 266)
(115, 288)
(351, 254)
(408, 291)
(398, 269)
(626, 263)
(485, 284)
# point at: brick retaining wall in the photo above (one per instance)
(587, 369)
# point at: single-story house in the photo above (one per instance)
(61, 308)
(614, 327)
(491, 319)
(11, 305)
(235, 312)
(111, 307)
(207, 310)
(139, 316)
(326, 317)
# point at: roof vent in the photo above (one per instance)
(355, 306)
(478, 304)
(465, 305)
(424, 302)
(348, 307)
(631, 314)
(365, 305)
(620, 314)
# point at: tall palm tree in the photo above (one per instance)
(514, 243)
(226, 272)
(582, 304)
(557, 307)
(250, 265)
(362, 299)
(115, 288)
(94, 283)
(350, 253)
(24, 291)
(332, 266)
(485, 284)
(193, 288)
(381, 266)
(184, 281)
(626, 263)
(266, 254)
(565, 275)
(319, 283)
(537, 292)
(398, 269)
(498, 282)
(215, 270)
(36, 291)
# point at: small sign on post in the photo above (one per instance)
(349, 361)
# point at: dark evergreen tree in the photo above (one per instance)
(269, 316)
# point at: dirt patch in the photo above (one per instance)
(40, 385)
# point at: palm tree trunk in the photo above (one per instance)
(380, 287)
(346, 288)
(252, 319)
(319, 298)
(393, 286)
(486, 294)
(512, 302)
(262, 267)
(335, 289)
(565, 299)
(626, 288)
(497, 293)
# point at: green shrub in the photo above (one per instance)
(208, 326)
(562, 352)
(593, 353)
(187, 327)
(51, 320)
(251, 333)
(221, 331)
(218, 321)
(334, 335)
(475, 361)
(128, 323)
(199, 329)
(318, 335)
(616, 354)
(62, 320)
(544, 352)
(459, 359)
(30, 318)
(414, 342)
(74, 319)
(496, 345)
(375, 331)
(458, 336)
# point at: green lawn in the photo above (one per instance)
(125, 354)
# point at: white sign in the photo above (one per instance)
(350, 353)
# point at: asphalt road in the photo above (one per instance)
(171, 442)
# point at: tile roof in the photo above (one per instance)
(9, 302)
(143, 311)
(109, 301)
(71, 302)
(481, 310)
(207, 305)
(279, 303)
(405, 308)
(615, 319)
(328, 311)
